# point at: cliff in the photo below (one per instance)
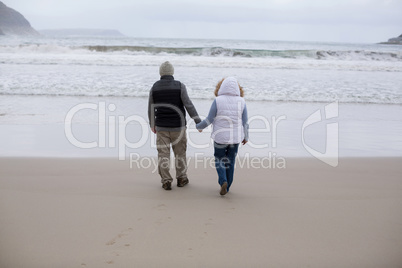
(394, 41)
(13, 23)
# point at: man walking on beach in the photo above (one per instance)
(167, 118)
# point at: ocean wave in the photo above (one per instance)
(256, 53)
(302, 98)
(359, 55)
(344, 55)
(114, 61)
(207, 51)
(270, 71)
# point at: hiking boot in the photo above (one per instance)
(224, 188)
(167, 185)
(181, 182)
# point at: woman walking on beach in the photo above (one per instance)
(228, 115)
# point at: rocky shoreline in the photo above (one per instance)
(393, 41)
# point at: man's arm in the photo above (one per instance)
(151, 112)
(189, 105)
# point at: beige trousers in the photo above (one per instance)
(178, 140)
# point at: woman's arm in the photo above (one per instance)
(210, 118)
(245, 124)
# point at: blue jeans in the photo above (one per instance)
(225, 157)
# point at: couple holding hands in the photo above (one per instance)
(167, 105)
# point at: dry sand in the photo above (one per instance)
(100, 213)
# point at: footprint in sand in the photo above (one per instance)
(161, 207)
(230, 210)
(111, 242)
(162, 220)
(190, 252)
(119, 236)
(115, 241)
(210, 222)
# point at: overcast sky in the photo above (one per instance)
(365, 21)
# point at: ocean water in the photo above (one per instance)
(268, 70)
(42, 79)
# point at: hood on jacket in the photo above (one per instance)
(230, 87)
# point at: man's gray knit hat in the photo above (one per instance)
(166, 68)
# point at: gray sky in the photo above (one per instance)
(365, 21)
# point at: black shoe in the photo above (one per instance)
(182, 182)
(224, 188)
(167, 186)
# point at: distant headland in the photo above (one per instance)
(82, 32)
(394, 41)
(14, 23)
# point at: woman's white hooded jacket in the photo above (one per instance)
(228, 125)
